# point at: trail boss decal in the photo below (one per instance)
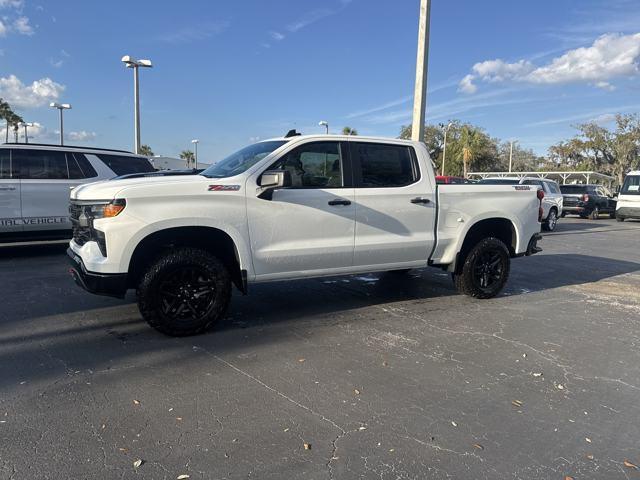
(522, 187)
(224, 188)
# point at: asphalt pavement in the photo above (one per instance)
(371, 376)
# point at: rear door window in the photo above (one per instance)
(40, 164)
(631, 186)
(79, 166)
(383, 166)
(123, 165)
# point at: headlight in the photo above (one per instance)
(106, 210)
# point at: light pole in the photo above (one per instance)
(195, 142)
(61, 107)
(444, 149)
(131, 62)
(26, 133)
(422, 61)
(511, 154)
(324, 124)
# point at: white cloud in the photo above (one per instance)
(610, 56)
(276, 35)
(467, 85)
(21, 25)
(195, 33)
(38, 94)
(81, 136)
(11, 4)
(3, 29)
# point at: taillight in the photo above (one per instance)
(540, 194)
(585, 198)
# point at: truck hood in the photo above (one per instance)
(109, 189)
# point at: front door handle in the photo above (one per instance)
(339, 202)
(420, 200)
(7, 188)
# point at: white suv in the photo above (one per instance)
(35, 181)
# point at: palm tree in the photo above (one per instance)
(146, 151)
(5, 114)
(470, 141)
(15, 120)
(349, 131)
(188, 156)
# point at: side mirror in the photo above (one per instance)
(272, 180)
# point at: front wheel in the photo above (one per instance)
(595, 213)
(485, 269)
(620, 219)
(552, 220)
(184, 292)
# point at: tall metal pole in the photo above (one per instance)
(196, 155)
(61, 127)
(420, 94)
(26, 136)
(510, 156)
(6, 133)
(136, 113)
(444, 149)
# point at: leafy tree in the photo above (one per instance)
(349, 131)
(146, 151)
(188, 156)
(11, 118)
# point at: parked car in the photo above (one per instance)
(628, 205)
(35, 181)
(588, 201)
(448, 179)
(292, 208)
(552, 203)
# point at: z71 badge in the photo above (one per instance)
(224, 188)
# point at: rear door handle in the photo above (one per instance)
(339, 202)
(420, 200)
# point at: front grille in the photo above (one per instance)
(81, 234)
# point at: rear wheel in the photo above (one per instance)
(184, 292)
(485, 269)
(620, 219)
(552, 220)
(595, 213)
(612, 214)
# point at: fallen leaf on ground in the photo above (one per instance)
(286, 429)
(356, 391)
(122, 449)
(588, 439)
(137, 463)
(567, 477)
(590, 457)
(179, 419)
(537, 374)
(104, 426)
(307, 446)
(301, 360)
(454, 424)
(628, 464)
(136, 402)
(384, 364)
(560, 386)
(524, 355)
(478, 446)
(517, 403)
(182, 477)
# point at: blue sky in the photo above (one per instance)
(231, 72)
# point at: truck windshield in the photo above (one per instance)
(631, 185)
(240, 161)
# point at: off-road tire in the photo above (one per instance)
(175, 269)
(620, 219)
(466, 280)
(594, 214)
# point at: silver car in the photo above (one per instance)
(35, 181)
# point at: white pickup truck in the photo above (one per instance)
(290, 208)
